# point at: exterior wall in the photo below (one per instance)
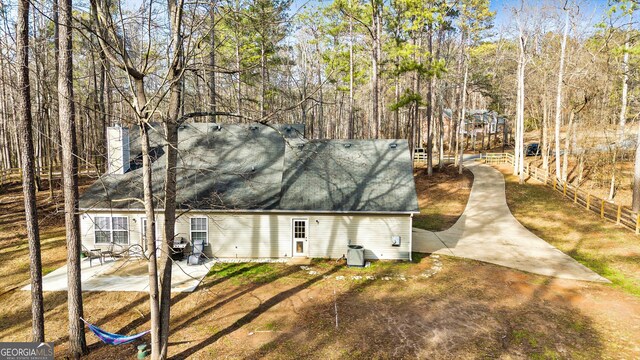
(270, 235)
(87, 230)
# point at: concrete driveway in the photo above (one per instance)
(487, 231)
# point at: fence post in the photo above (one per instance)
(619, 214)
(564, 190)
(602, 210)
(588, 200)
(575, 196)
(555, 183)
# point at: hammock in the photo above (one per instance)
(113, 339)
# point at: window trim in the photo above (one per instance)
(206, 230)
(111, 230)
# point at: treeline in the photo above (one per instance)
(349, 69)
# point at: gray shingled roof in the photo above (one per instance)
(270, 168)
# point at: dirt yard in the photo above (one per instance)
(435, 307)
(442, 197)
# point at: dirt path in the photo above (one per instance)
(487, 231)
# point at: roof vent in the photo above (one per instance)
(300, 146)
(347, 145)
(253, 127)
(217, 127)
(393, 146)
(288, 128)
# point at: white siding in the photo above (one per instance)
(329, 235)
(270, 235)
(87, 230)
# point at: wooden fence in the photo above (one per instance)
(621, 215)
(421, 157)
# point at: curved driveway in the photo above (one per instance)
(487, 231)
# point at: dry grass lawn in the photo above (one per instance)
(468, 310)
(610, 250)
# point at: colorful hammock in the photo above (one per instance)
(113, 339)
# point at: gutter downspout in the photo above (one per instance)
(410, 236)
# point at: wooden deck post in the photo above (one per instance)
(602, 210)
(575, 196)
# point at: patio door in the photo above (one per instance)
(300, 235)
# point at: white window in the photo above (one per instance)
(113, 229)
(199, 229)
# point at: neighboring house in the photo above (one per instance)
(477, 123)
(256, 191)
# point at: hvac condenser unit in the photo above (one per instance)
(355, 255)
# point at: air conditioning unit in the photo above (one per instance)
(355, 256)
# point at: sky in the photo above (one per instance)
(593, 9)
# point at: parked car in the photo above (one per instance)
(532, 149)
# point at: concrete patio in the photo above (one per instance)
(112, 276)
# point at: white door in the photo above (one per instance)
(300, 233)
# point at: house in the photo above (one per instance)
(478, 123)
(260, 191)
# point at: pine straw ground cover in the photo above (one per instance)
(466, 310)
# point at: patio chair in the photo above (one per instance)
(196, 257)
(109, 252)
(94, 254)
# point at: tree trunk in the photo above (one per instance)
(351, 132)
(625, 84)
(567, 141)
(375, 57)
(149, 210)
(558, 114)
(263, 80)
(520, 139)
(430, 109)
(463, 112)
(635, 204)
(66, 113)
(212, 62)
(545, 131)
(28, 177)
